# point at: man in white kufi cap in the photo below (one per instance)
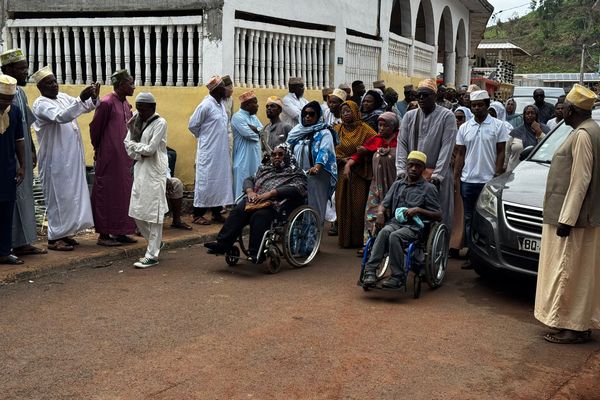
(146, 143)
(24, 232)
(11, 173)
(214, 182)
(480, 155)
(61, 162)
(294, 101)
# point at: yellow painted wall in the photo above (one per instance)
(176, 105)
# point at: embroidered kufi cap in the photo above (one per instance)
(344, 86)
(8, 85)
(41, 74)
(409, 88)
(472, 88)
(379, 84)
(340, 94)
(118, 75)
(582, 97)
(479, 95)
(417, 155)
(296, 80)
(214, 82)
(327, 91)
(226, 80)
(145, 97)
(428, 84)
(12, 56)
(275, 100)
(249, 95)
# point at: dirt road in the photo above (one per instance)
(193, 328)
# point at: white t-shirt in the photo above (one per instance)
(480, 141)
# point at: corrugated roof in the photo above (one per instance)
(565, 77)
(501, 46)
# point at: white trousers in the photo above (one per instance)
(153, 234)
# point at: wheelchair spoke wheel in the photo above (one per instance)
(233, 256)
(436, 260)
(302, 236)
(383, 268)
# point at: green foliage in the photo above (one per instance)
(553, 34)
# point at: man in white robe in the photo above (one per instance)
(293, 102)
(568, 283)
(146, 143)
(61, 162)
(24, 232)
(214, 188)
(246, 141)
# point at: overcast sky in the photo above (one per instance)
(512, 7)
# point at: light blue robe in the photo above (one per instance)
(246, 148)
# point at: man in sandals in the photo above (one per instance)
(568, 283)
(112, 178)
(12, 149)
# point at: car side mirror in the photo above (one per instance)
(526, 152)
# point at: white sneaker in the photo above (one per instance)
(145, 263)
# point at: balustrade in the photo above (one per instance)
(96, 47)
(363, 59)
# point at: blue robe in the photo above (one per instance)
(246, 148)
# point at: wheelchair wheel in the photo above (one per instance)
(302, 236)
(436, 260)
(244, 245)
(416, 286)
(273, 260)
(383, 268)
(233, 256)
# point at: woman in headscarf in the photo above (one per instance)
(353, 185)
(372, 106)
(274, 181)
(462, 115)
(383, 147)
(499, 112)
(313, 146)
(516, 120)
(528, 134)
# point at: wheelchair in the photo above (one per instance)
(295, 237)
(426, 258)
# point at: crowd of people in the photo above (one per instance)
(354, 158)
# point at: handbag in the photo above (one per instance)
(258, 206)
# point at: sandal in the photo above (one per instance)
(11, 259)
(108, 242)
(568, 336)
(125, 239)
(60, 245)
(70, 241)
(181, 225)
(201, 221)
(29, 250)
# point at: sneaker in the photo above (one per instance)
(393, 282)
(369, 278)
(146, 263)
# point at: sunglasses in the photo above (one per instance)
(459, 118)
(310, 113)
(278, 154)
(423, 95)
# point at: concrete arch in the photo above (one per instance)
(445, 45)
(425, 23)
(401, 18)
(462, 57)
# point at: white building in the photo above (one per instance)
(260, 43)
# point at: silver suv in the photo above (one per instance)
(507, 222)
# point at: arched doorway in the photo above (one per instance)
(424, 28)
(462, 59)
(446, 54)
(400, 19)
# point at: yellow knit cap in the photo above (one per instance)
(417, 155)
(582, 97)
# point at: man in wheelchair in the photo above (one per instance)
(278, 185)
(407, 202)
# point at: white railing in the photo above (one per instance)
(156, 50)
(398, 57)
(423, 60)
(267, 55)
(363, 59)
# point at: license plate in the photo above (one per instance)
(530, 244)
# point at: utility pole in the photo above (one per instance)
(582, 63)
